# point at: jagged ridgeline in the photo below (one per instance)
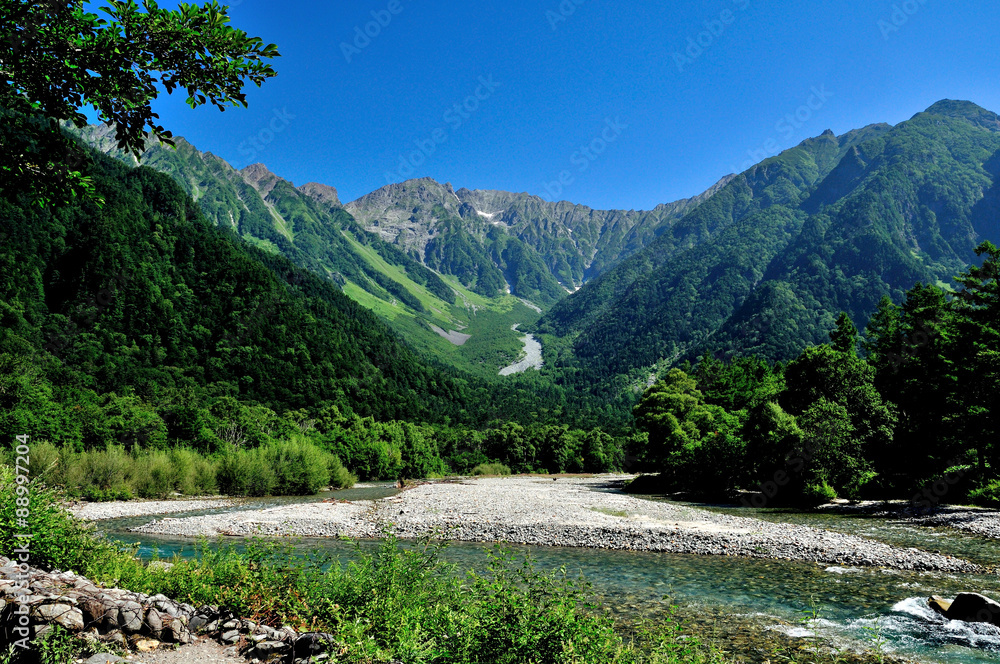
(767, 263)
(145, 294)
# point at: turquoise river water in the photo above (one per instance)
(851, 603)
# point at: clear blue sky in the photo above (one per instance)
(689, 120)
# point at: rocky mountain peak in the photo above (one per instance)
(321, 193)
(260, 178)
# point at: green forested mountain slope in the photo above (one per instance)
(769, 261)
(146, 296)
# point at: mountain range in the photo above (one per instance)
(761, 263)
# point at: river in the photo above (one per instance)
(532, 356)
(852, 604)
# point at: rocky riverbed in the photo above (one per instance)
(122, 509)
(981, 521)
(576, 512)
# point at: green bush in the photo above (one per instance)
(195, 473)
(246, 473)
(58, 540)
(154, 475)
(818, 493)
(986, 495)
(340, 477)
(491, 469)
(300, 467)
(100, 474)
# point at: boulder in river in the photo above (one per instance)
(968, 607)
(939, 604)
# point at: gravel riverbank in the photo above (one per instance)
(127, 508)
(576, 512)
(982, 521)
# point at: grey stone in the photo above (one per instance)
(154, 622)
(197, 622)
(313, 643)
(93, 610)
(973, 607)
(111, 614)
(103, 658)
(65, 615)
(177, 632)
(231, 636)
(130, 617)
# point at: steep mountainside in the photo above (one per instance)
(769, 261)
(540, 250)
(144, 295)
(451, 271)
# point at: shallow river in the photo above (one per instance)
(850, 602)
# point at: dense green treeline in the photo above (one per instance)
(920, 410)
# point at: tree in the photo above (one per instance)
(844, 338)
(824, 374)
(911, 348)
(689, 439)
(977, 356)
(56, 57)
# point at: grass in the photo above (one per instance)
(288, 467)
(610, 512)
(491, 470)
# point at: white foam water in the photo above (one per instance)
(913, 627)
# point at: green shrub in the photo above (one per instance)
(818, 493)
(154, 475)
(46, 463)
(195, 473)
(246, 473)
(986, 495)
(300, 467)
(100, 473)
(340, 477)
(491, 469)
(58, 540)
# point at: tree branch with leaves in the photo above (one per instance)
(58, 58)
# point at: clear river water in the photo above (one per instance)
(851, 603)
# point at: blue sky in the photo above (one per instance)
(629, 104)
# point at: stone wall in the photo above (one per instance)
(32, 601)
